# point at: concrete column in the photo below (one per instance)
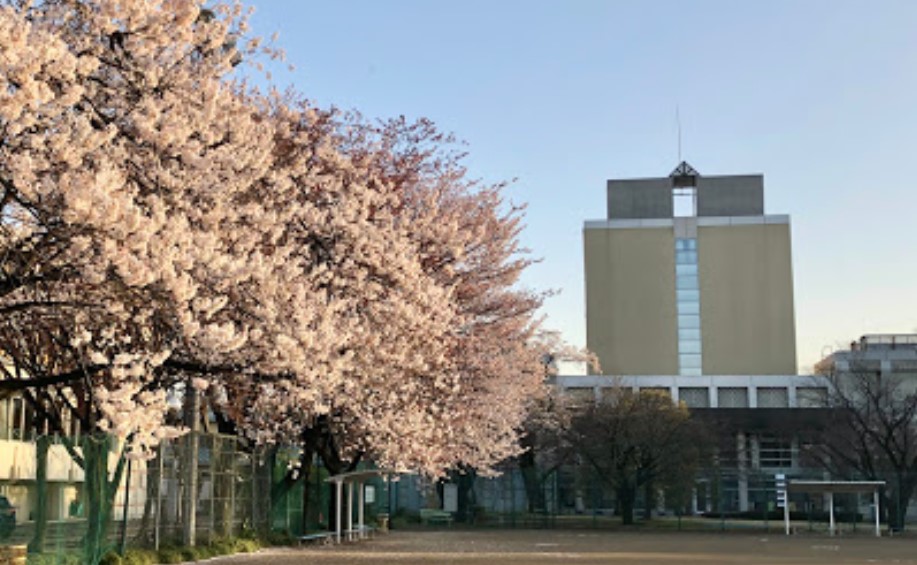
(831, 513)
(338, 492)
(360, 508)
(875, 500)
(350, 510)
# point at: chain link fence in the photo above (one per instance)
(200, 489)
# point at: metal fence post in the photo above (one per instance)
(158, 518)
(232, 489)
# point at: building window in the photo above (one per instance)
(811, 397)
(775, 452)
(580, 395)
(773, 397)
(694, 397)
(665, 391)
(687, 300)
(732, 397)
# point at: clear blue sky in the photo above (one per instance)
(819, 96)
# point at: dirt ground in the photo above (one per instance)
(518, 547)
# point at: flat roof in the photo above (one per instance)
(834, 486)
(354, 476)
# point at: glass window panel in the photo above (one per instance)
(685, 295)
(811, 397)
(773, 397)
(686, 257)
(691, 371)
(686, 283)
(694, 397)
(689, 321)
(690, 346)
(689, 360)
(732, 397)
(684, 334)
(688, 308)
(691, 243)
(681, 244)
(686, 270)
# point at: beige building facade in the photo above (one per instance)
(688, 276)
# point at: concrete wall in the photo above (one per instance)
(746, 283)
(631, 320)
(733, 195)
(640, 198)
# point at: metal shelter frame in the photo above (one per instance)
(829, 488)
(359, 478)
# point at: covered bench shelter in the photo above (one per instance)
(829, 488)
(352, 478)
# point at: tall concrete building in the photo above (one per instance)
(688, 276)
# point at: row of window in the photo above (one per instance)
(727, 397)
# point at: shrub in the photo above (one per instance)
(245, 545)
(140, 557)
(170, 555)
(110, 558)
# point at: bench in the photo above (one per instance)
(324, 538)
(434, 516)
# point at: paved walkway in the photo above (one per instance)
(518, 547)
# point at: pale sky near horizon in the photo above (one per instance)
(818, 95)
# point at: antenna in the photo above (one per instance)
(678, 125)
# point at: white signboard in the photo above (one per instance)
(780, 483)
(450, 498)
(370, 494)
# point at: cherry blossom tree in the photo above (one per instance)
(319, 275)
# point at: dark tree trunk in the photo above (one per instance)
(100, 494)
(896, 502)
(626, 497)
(466, 500)
(534, 493)
(305, 469)
(649, 501)
(42, 444)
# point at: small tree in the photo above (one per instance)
(637, 440)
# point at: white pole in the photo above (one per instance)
(786, 512)
(360, 510)
(350, 510)
(338, 491)
(875, 499)
(831, 512)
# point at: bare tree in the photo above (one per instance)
(872, 432)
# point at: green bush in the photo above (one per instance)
(245, 545)
(110, 558)
(170, 555)
(140, 557)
